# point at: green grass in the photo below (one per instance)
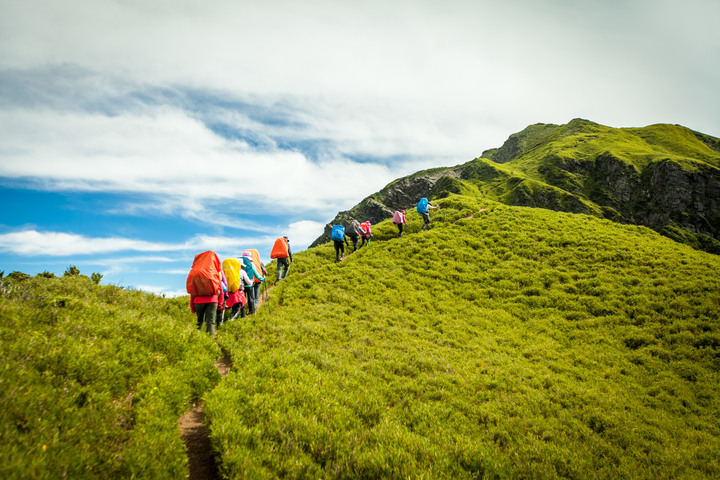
(505, 342)
(516, 343)
(94, 379)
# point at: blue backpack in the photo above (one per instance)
(338, 233)
(422, 206)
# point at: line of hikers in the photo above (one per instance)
(339, 234)
(225, 289)
(218, 290)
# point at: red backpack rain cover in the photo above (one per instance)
(280, 249)
(204, 278)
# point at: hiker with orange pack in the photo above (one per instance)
(204, 284)
(255, 269)
(282, 253)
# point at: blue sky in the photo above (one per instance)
(135, 134)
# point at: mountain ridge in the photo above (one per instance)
(665, 177)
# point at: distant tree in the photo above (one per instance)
(46, 274)
(71, 271)
(18, 276)
(96, 277)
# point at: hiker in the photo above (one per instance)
(365, 234)
(353, 231)
(399, 220)
(204, 284)
(223, 298)
(254, 256)
(423, 207)
(337, 235)
(255, 279)
(236, 280)
(282, 253)
(236, 302)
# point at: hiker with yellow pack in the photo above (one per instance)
(282, 253)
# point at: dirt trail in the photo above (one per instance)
(195, 433)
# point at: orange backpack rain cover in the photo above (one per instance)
(256, 261)
(280, 249)
(204, 277)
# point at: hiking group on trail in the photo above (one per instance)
(216, 288)
(224, 289)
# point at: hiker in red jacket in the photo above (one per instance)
(399, 220)
(365, 234)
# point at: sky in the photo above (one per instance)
(135, 134)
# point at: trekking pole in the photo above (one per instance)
(267, 299)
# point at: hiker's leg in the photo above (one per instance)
(200, 312)
(250, 300)
(280, 266)
(283, 267)
(355, 241)
(210, 315)
(287, 268)
(256, 294)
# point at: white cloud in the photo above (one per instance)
(35, 243)
(301, 234)
(32, 242)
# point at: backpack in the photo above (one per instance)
(256, 262)
(204, 278)
(280, 249)
(398, 217)
(354, 228)
(422, 206)
(231, 267)
(365, 229)
(338, 233)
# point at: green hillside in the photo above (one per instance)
(666, 177)
(94, 379)
(508, 342)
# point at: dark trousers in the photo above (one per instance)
(354, 239)
(400, 229)
(339, 249)
(365, 240)
(237, 311)
(426, 219)
(206, 313)
(256, 294)
(250, 300)
(283, 265)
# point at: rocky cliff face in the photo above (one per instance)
(402, 194)
(665, 177)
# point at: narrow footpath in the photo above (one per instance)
(196, 436)
(195, 433)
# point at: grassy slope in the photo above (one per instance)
(517, 343)
(94, 379)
